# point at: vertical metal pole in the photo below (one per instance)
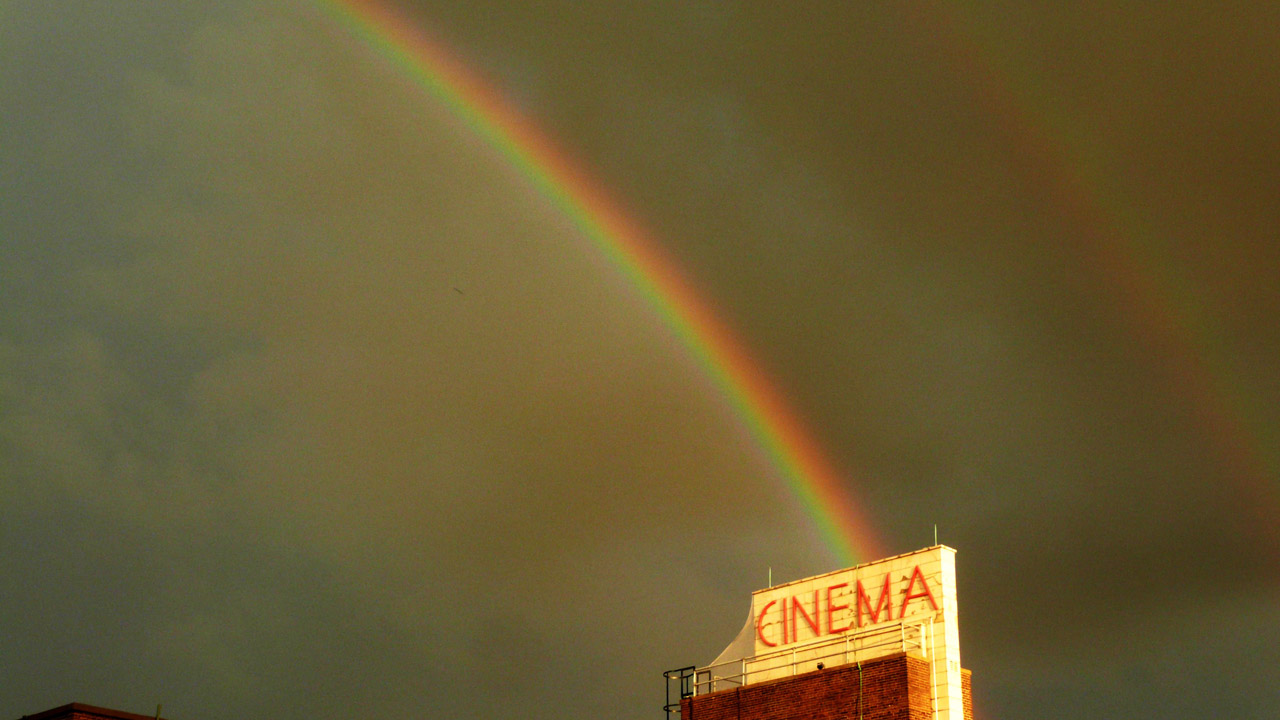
(933, 668)
(859, 690)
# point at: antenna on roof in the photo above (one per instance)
(770, 576)
(935, 533)
(158, 706)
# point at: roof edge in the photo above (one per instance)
(75, 707)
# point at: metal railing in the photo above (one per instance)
(901, 636)
(682, 679)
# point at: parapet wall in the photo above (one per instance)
(886, 688)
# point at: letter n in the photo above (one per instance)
(814, 621)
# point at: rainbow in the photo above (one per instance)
(780, 435)
(1158, 305)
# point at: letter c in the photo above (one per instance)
(760, 624)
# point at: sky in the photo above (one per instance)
(313, 403)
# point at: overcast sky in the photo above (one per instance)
(312, 406)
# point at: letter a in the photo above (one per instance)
(908, 596)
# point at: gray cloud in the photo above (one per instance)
(310, 404)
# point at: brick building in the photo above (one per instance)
(877, 641)
(80, 711)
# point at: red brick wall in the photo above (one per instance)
(80, 711)
(891, 688)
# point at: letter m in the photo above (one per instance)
(864, 602)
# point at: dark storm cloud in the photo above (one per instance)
(887, 201)
(321, 410)
(324, 408)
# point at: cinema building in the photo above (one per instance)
(874, 641)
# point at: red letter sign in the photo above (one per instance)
(760, 625)
(882, 604)
(908, 596)
(831, 611)
(814, 621)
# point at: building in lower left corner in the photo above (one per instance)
(80, 711)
